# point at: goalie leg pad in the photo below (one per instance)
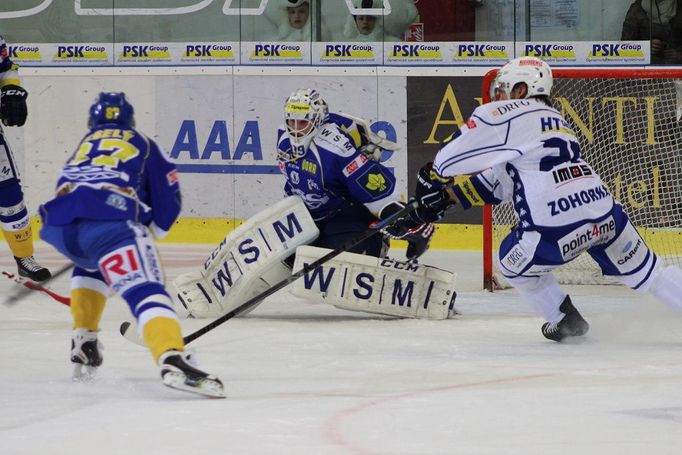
(248, 260)
(376, 285)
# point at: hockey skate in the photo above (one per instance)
(29, 268)
(86, 354)
(571, 325)
(178, 372)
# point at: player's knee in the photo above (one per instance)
(10, 193)
(147, 301)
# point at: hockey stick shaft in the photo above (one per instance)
(26, 290)
(36, 287)
(374, 229)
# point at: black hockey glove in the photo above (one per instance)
(418, 240)
(417, 233)
(13, 111)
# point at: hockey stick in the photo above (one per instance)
(373, 230)
(24, 291)
(36, 287)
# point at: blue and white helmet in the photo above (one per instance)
(535, 73)
(4, 50)
(304, 113)
(111, 107)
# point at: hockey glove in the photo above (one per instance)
(418, 236)
(13, 110)
(418, 240)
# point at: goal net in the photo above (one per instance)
(630, 130)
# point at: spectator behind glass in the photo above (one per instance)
(661, 22)
(292, 19)
(376, 28)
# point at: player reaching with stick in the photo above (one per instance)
(115, 191)
(515, 149)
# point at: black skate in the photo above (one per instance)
(86, 354)
(177, 372)
(572, 324)
(29, 268)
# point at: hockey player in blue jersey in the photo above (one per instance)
(344, 189)
(14, 218)
(512, 149)
(115, 191)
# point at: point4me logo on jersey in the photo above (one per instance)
(25, 53)
(147, 53)
(414, 53)
(482, 53)
(208, 52)
(621, 52)
(82, 53)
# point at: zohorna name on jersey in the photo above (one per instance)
(578, 199)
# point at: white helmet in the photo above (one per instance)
(534, 72)
(305, 111)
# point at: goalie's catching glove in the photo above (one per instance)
(13, 110)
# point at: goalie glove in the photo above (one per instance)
(13, 110)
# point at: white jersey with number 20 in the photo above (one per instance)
(531, 156)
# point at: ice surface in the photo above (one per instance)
(305, 378)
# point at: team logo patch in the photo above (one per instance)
(376, 182)
(172, 177)
(122, 269)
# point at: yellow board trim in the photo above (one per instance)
(447, 236)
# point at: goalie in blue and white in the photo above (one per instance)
(337, 188)
(519, 148)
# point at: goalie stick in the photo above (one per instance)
(36, 287)
(130, 335)
(14, 298)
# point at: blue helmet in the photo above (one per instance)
(112, 107)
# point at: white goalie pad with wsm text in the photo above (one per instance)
(376, 285)
(248, 261)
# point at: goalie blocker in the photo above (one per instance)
(377, 285)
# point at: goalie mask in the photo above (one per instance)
(304, 113)
(113, 108)
(535, 73)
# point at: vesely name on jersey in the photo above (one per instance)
(564, 204)
(585, 237)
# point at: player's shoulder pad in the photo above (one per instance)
(331, 138)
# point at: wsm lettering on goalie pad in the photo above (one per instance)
(376, 285)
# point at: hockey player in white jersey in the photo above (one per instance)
(520, 148)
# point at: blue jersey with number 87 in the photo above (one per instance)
(116, 173)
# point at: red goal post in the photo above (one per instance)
(628, 123)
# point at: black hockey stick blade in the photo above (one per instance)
(373, 230)
(22, 292)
